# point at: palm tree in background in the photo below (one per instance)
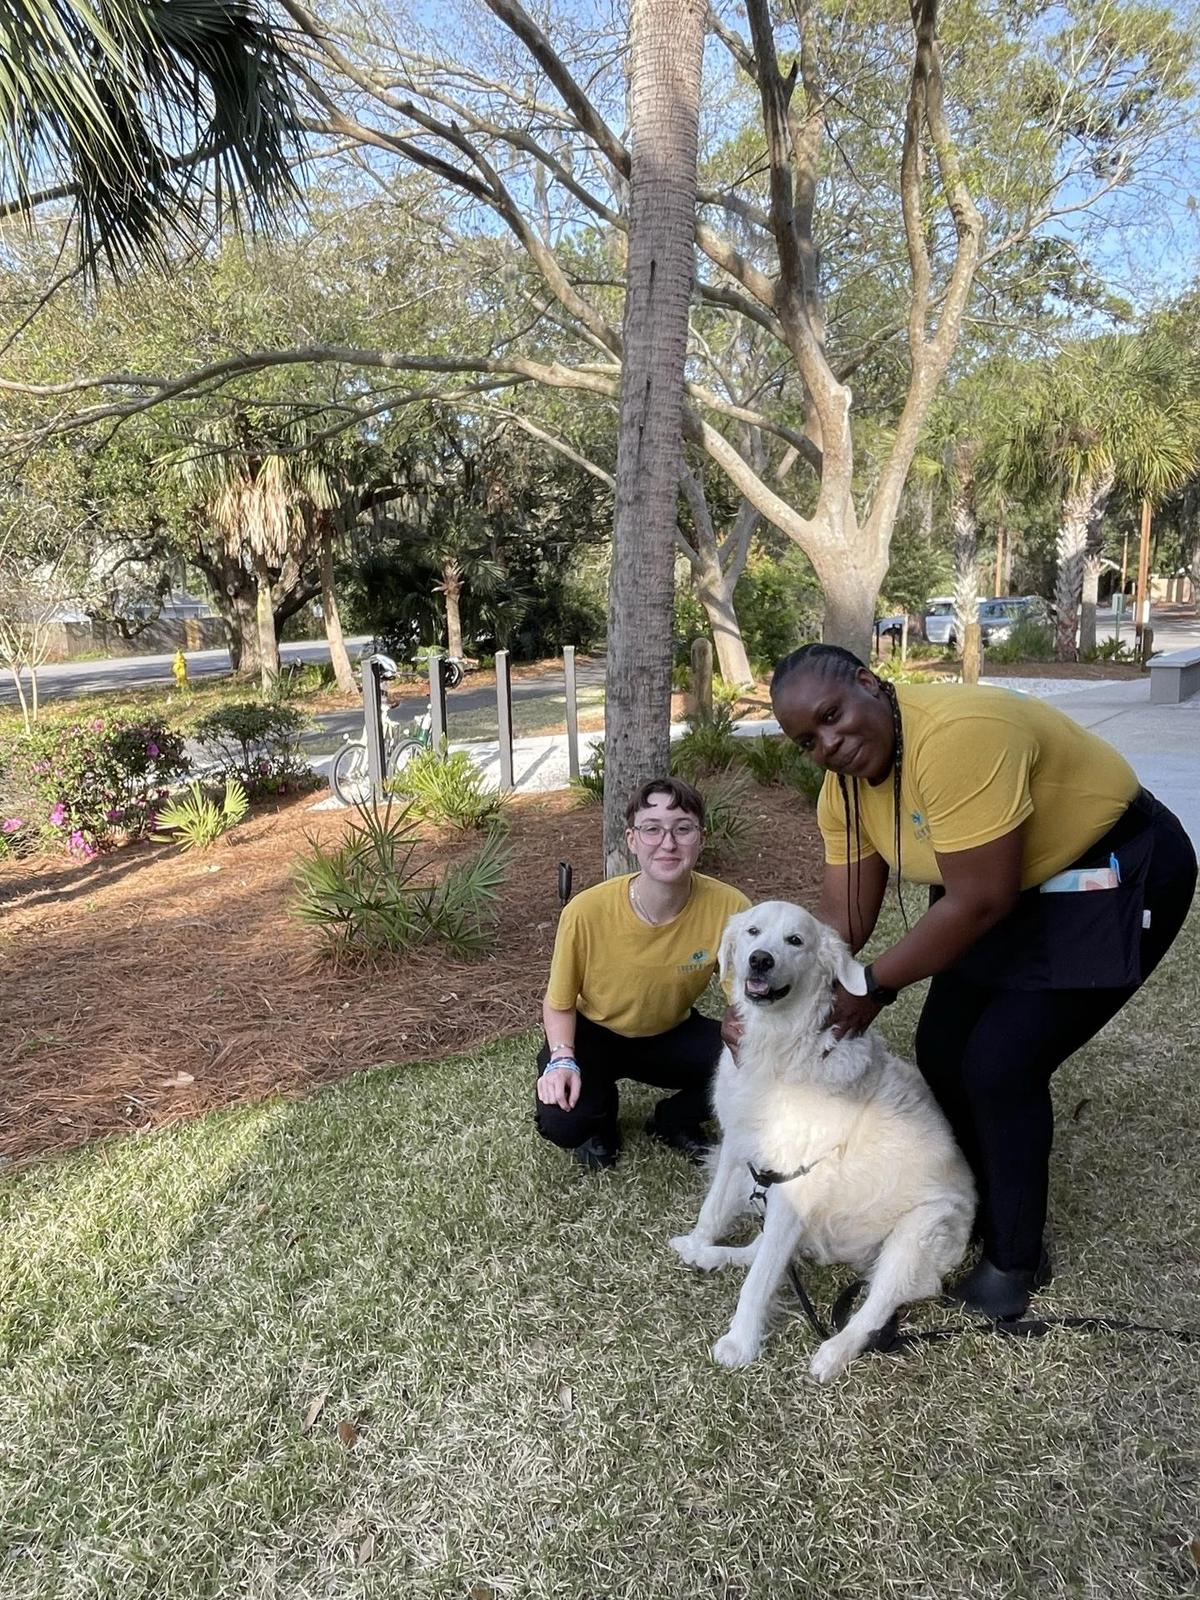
(1120, 410)
(137, 111)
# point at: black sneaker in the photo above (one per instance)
(595, 1152)
(1003, 1293)
(689, 1142)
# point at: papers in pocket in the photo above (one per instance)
(1082, 878)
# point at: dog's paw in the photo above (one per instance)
(731, 1351)
(832, 1359)
(685, 1246)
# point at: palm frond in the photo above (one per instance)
(137, 111)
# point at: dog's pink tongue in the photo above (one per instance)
(757, 986)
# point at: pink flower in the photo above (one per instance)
(152, 749)
(58, 814)
(81, 846)
(98, 725)
(11, 824)
(113, 816)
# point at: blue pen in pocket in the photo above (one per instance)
(1115, 865)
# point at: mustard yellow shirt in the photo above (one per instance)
(978, 762)
(627, 976)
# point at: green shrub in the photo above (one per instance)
(1029, 641)
(74, 785)
(1110, 650)
(709, 745)
(298, 678)
(774, 759)
(727, 824)
(363, 897)
(448, 790)
(779, 605)
(197, 821)
(892, 670)
(589, 785)
(259, 744)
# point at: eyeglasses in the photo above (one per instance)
(654, 832)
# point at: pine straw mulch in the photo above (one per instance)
(151, 986)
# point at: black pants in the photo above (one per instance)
(988, 1054)
(684, 1059)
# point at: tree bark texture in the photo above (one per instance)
(667, 40)
(452, 593)
(268, 644)
(1083, 507)
(342, 672)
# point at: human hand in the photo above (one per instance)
(852, 1014)
(559, 1086)
(732, 1028)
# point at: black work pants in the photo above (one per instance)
(683, 1059)
(988, 1054)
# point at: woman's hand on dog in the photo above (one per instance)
(732, 1027)
(559, 1087)
(852, 1014)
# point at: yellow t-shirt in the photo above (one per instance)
(627, 976)
(977, 763)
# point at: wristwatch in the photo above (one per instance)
(879, 992)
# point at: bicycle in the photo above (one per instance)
(349, 777)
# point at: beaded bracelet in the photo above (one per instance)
(567, 1062)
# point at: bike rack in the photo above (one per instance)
(375, 670)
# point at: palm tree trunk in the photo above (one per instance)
(452, 592)
(1092, 557)
(667, 49)
(1069, 553)
(268, 645)
(333, 621)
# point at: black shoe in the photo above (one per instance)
(689, 1142)
(596, 1152)
(1000, 1292)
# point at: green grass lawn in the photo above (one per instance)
(526, 1366)
(546, 714)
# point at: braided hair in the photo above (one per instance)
(832, 661)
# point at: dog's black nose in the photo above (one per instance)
(761, 961)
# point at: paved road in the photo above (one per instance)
(148, 672)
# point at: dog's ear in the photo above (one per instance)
(848, 972)
(725, 949)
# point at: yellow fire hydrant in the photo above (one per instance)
(179, 669)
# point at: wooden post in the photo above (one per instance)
(972, 652)
(998, 590)
(437, 701)
(1125, 561)
(702, 682)
(504, 717)
(1141, 616)
(572, 713)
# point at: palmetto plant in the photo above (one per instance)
(196, 822)
(135, 109)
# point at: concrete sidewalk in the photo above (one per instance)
(1161, 743)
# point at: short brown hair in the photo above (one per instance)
(683, 798)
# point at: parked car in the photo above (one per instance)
(997, 617)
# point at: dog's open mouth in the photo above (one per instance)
(761, 992)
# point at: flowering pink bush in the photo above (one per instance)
(74, 784)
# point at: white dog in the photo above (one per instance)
(873, 1177)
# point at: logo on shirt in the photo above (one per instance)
(698, 958)
(920, 826)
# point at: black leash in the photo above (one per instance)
(891, 1338)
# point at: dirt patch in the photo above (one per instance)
(151, 986)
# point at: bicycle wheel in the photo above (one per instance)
(401, 754)
(348, 776)
(452, 672)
